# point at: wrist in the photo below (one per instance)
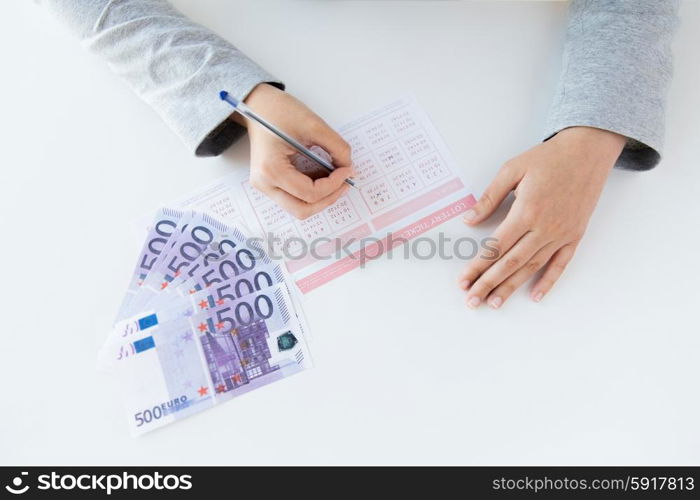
(602, 147)
(261, 94)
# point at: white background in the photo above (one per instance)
(604, 371)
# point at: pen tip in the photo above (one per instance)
(223, 95)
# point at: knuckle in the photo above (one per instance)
(506, 289)
(558, 267)
(266, 168)
(256, 182)
(486, 201)
(313, 196)
(317, 127)
(564, 227)
(307, 212)
(300, 213)
(509, 167)
(492, 251)
(512, 262)
(487, 284)
(533, 266)
(306, 194)
(559, 229)
(530, 215)
(508, 164)
(344, 149)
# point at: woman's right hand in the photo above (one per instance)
(272, 170)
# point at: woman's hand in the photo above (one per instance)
(557, 185)
(271, 168)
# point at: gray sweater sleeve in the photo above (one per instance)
(616, 71)
(172, 63)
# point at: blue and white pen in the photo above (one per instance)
(299, 147)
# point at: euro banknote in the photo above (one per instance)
(207, 316)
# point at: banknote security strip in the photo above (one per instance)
(207, 316)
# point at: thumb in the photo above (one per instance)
(504, 182)
(335, 145)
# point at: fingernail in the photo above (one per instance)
(538, 296)
(474, 302)
(496, 302)
(465, 284)
(469, 215)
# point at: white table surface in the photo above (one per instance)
(604, 371)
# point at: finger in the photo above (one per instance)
(287, 178)
(301, 209)
(327, 138)
(503, 291)
(508, 264)
(505, 236)
(506, 180)
(553, 272)
(334, 181)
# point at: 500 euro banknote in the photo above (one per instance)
(178, 362)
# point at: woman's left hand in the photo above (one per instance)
(557, 185)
